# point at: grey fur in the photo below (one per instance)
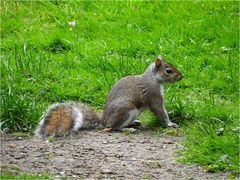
(139, 92)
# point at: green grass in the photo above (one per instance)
(25, 176)
(14, 172)
(44, 60)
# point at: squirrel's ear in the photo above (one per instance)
(158, 62)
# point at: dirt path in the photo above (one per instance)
(97, 155)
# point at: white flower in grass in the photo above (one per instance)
(72, 23)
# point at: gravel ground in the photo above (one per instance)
(98, 155)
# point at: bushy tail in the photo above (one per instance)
(63, 118)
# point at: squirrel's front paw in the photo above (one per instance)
(173, 125)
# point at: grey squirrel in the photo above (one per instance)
(125, 101)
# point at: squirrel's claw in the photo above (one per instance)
(172, 125)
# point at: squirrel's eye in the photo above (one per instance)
(169, 71)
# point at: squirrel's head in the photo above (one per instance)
(165, 72)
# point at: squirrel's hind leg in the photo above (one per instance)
(134, 124)
(122, 118)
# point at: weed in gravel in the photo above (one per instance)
(14, 172)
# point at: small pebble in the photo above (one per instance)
(168, 142)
